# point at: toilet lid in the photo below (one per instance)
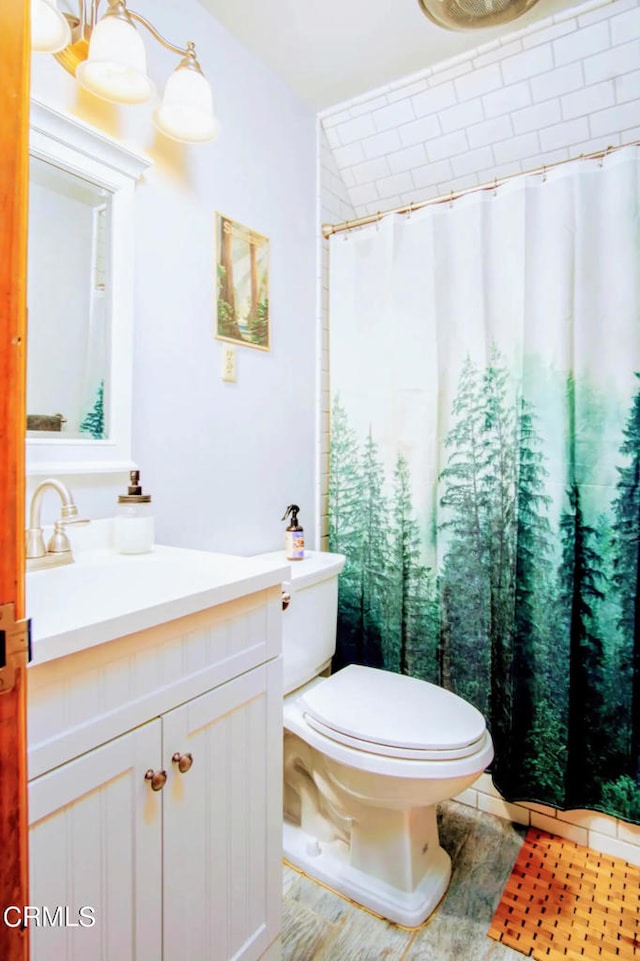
(394, 715)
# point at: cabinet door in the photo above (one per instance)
(95, 842)
(222, 821)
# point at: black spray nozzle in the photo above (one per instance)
(134, 482)
(293, 510)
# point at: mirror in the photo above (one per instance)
(68, 386)
(79, 296)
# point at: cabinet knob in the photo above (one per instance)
(184, 761)
(286, 600)
(158, 779)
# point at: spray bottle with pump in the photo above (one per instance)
(294, 535)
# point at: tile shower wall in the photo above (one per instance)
(598, 831)
(334, 206)
(565, 86)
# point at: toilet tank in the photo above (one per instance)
(309, 622)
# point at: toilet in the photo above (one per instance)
(368, 754)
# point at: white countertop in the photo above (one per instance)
(103, 595)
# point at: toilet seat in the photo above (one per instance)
(393, 715)
(389, 750)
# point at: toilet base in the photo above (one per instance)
(328, 862)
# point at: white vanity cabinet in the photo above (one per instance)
(96, 842)
(190, 872)
(221, 828)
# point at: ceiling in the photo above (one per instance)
(328, 51)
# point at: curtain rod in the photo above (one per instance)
(329, 229)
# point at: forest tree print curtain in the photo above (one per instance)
(485, 467)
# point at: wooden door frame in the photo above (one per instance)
(14, 173)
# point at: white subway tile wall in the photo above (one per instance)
(334, 205)
(561, 83)
(590, 828)
(562, 87)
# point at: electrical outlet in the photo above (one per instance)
(229, 363)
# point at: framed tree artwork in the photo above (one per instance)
(242, 284)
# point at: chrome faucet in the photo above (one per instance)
(58, 550)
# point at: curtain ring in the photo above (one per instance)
(495, 186)
(410, 210)
(345, 235)
(544, 173)
(604, 155)
(378, 219)
(451, 199)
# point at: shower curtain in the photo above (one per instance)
(485, 467)
(95, 403)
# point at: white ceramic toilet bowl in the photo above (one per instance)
(368, 755)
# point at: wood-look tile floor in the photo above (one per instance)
(319, 925)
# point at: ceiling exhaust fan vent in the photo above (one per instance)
(472, 14)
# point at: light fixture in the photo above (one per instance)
(471, 14)
(50, 31)
(108, 58)
(186, 111)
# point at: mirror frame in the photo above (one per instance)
(74, 146)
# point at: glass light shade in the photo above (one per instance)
(186, 111)
(116, 68)
(50, 31)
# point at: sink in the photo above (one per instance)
(104, 595)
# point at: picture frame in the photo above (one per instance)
(242, 284)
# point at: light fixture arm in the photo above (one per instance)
(187, 53)
(119, 9)
(182, 51)
(81, 19)
(84, 23)
(94, 13)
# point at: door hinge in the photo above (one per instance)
(15, 641)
